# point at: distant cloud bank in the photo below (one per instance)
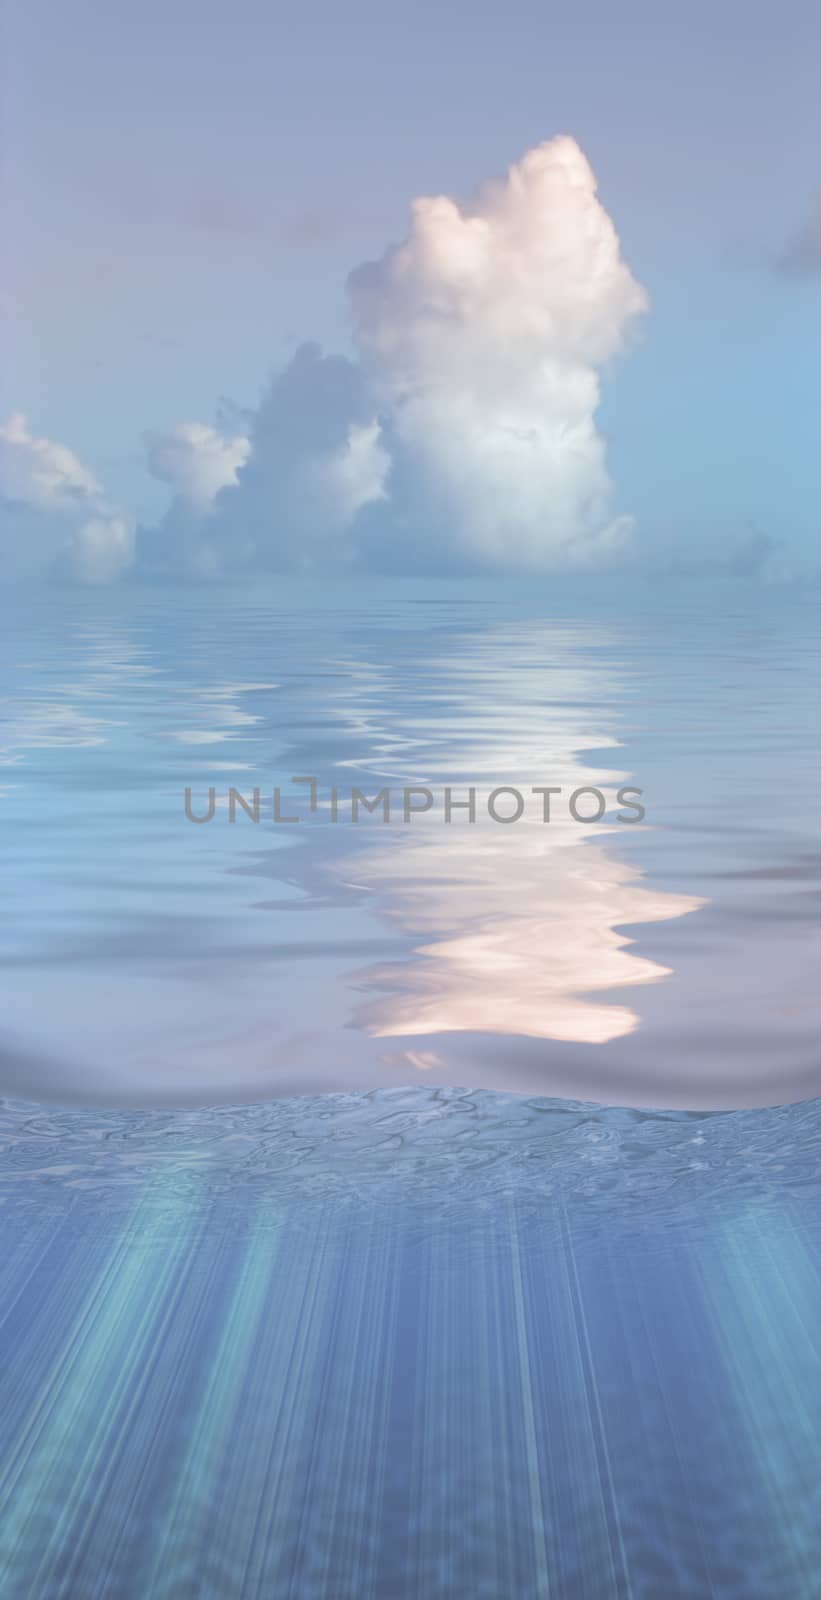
(463, 437)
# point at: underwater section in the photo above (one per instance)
(413, 1343)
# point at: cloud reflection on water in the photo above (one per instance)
(515, 927)
(147, 960)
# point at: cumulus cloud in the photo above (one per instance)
(462, 436)
(483, 335)
(102, 548)
(41, 474)
(312, 458)
(197, 460)
(54, 515)
(465, 436)
(353, 475)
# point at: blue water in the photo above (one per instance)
(333, 1263)
(417, 1342)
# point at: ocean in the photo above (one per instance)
(415, 1198)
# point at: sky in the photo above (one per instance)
(627, 367)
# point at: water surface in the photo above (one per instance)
(333, 1266)
(669, 962)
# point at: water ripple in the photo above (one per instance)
(446, 1149)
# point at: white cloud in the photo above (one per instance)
(464, 436)
(197, 460)
(312, 458)
(352, 476)
(483, 335)
(42, 474)
(54, 515)
(102, 548)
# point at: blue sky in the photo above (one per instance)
(188, 187)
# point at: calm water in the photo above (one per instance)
(322, 1273)
(669, 962)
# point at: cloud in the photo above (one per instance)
(465, 435)
(197, 460)
(102, 548)
(312, 458)
(462, 436)
(38, 473)
(54, 515)
(803, 255)
(483, 336)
